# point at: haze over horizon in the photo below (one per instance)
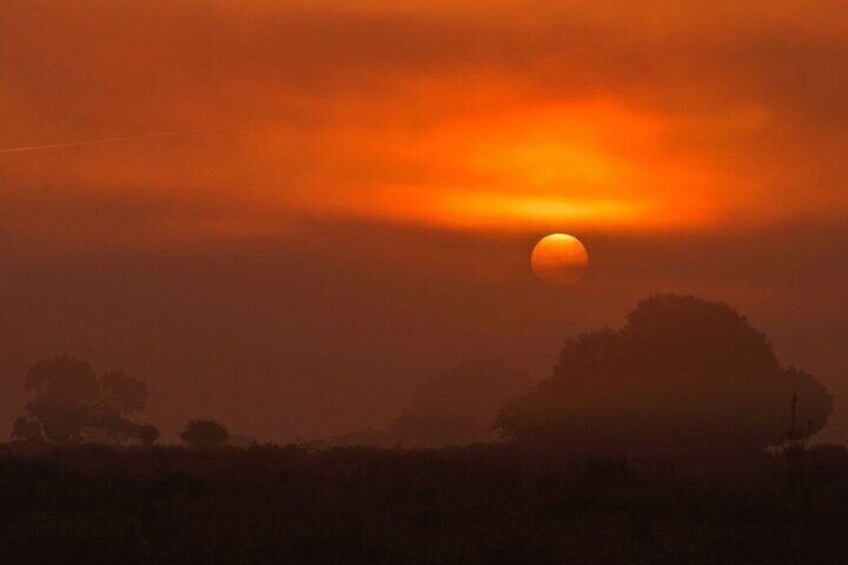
(353, 203)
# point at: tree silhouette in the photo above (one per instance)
(70, 403)
(205, 433)
(681, 373)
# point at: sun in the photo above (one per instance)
(559, 259)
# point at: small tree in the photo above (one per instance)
(205, 433)
(148, 434)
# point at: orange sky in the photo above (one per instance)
(386, 167)
(515, 116)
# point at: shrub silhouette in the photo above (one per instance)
(682, 373)
(148, 434)
(69, 402)
(27, 429)
(205, 433)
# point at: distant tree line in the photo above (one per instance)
(681, 373)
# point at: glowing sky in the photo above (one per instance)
(637, 116)
(388, 166)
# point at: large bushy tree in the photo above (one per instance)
(682, 373)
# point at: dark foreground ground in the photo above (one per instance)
(469, 505)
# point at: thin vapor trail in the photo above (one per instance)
(27, 148)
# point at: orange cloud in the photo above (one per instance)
(574, 117)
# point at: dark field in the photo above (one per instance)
(479, 504)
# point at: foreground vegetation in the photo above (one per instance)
(478, 504)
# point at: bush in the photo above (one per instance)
(205, 433)
(148, 434)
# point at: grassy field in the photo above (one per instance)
(477, 504)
